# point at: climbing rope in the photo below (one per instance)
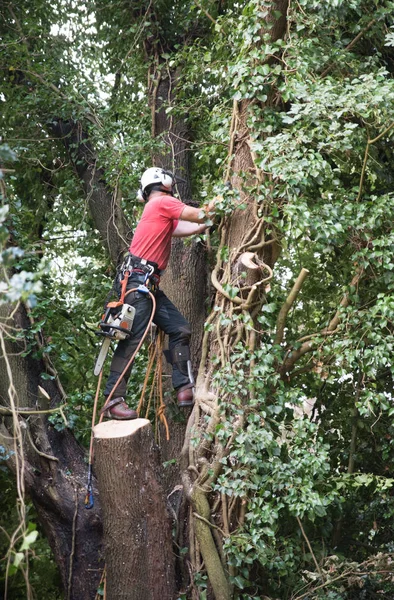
(155, 353)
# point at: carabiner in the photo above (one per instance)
(148, 275)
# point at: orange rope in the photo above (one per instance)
(155, 352)
(124, 286)
(152, 353)
(152, 391)
(162, 406)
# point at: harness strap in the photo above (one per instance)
(138, 262)
(123, 284)
(154, 276)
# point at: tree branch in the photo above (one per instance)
(280, 323)
(366, 154)
(210, 554)
(310, 549)
(293, 356)
(350, 46)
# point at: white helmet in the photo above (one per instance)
(155, 176)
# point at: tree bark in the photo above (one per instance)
(137, 536)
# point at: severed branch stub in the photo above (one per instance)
(137, 532)
(246, 259)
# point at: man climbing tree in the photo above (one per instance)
(163, 217)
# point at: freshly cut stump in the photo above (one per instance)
(137, 534)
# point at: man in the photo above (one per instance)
(163, 217)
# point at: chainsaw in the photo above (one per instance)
(116, 324)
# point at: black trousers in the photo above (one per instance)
(167, 317)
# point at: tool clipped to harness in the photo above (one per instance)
(116, 324)
(117, 321)
(143, 288)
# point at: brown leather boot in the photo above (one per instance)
(118, 409)
(185, 395)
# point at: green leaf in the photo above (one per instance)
(29, 539)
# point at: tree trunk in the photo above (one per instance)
(245, 231)
(137, 536)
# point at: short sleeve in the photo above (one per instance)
(171, 207)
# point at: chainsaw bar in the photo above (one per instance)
(102, 356)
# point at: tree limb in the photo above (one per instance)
(293, 356)
(280, 323)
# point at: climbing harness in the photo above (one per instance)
(116, 324)
(118, 317)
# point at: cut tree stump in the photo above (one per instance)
(137, 534)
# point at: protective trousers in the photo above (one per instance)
(167, 317)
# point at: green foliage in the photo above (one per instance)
(23, 285)
(321, 125)
(43, 574)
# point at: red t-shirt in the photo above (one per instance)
(152, 237)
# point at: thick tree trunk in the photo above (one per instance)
(137, 536)
(245, 231)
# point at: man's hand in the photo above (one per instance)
(211, 204)
(200, 215)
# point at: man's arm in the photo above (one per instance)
(197, 215)
(185, 228)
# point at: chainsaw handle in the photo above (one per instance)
(103, 324)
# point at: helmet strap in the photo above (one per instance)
(155, 187)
